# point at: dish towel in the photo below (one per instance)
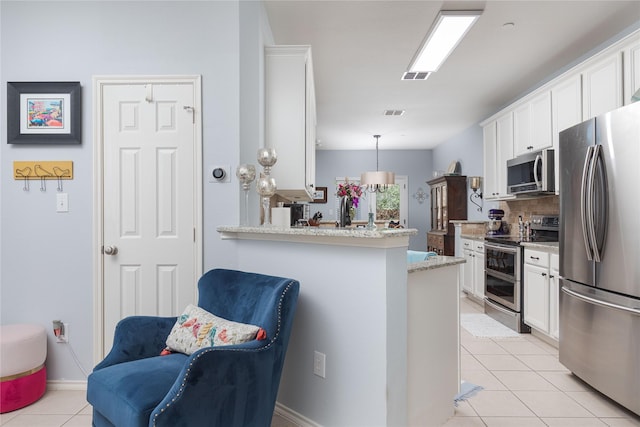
(466, 391)
(418, 256)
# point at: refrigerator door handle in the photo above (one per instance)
(587, 299)
(599, 232)
(584, 201)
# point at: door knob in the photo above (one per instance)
(110, 250)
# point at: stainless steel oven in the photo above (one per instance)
(504, 258)
(503, 284)
(503, 274)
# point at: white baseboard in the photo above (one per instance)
(66, 385)
(293, 417)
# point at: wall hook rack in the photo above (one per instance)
(26, 170)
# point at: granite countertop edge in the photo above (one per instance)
(322, 231)
(467, 221)
(435, 262)
(479, 237)
(553, 247)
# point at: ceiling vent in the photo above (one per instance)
(393, 112)
(415, 75)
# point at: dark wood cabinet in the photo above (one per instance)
(448, 202)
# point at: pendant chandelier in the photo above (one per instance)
(378, 181)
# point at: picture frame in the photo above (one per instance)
(319, 195)
(44, 113)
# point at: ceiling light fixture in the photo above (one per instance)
(446, 32)
(377, 181)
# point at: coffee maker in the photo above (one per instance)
(495, 226)
(297, 212)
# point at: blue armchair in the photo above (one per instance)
(225, 386)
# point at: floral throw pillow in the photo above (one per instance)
(197, 328)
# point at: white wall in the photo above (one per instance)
(46, 257)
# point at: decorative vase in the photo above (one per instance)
(246, 174)
(266, 187)
(344, 217)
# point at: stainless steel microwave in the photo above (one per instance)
(531, 174)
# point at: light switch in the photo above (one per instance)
(62, 202)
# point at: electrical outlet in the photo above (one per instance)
(64, 337)
(319, 364)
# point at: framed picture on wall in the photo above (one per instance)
(44, 113)
(320, 195)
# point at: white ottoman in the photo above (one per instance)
(23, 376)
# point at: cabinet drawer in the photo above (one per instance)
(538, 258)
(555, 262)
(478, 246)
(467, 244)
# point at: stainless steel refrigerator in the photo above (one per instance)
(600, 253)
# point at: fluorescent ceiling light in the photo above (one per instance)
(445, 34)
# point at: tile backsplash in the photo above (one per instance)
(537, 206)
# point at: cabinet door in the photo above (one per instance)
(566, 100)
(536, 297)
(468, 272)
(445, 207)
(290, 119)
(532, 125)
(554, 306)
(504, 147)
(478, 275)
(541, 130)
(311, 124)
(603, 86)
(554, 297)
(522, 130)
(631, 58)
(489, 161)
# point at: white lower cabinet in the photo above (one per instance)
(541, 291)
(478, 270)
(554, 297)
(467, 267)
(473, 270)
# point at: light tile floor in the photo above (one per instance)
(524, 385)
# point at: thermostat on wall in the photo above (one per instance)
(219, 173)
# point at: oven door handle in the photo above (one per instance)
(502, 276)
(502, 248)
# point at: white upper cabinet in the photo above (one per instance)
(504, 144)
(490, 159)
(631, 59)
(290, 121)
(498, 148)
(602, 86)
(532, 125)
(566, 105)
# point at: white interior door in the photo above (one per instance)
(150, 191)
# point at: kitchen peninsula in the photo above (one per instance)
(388, 329)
